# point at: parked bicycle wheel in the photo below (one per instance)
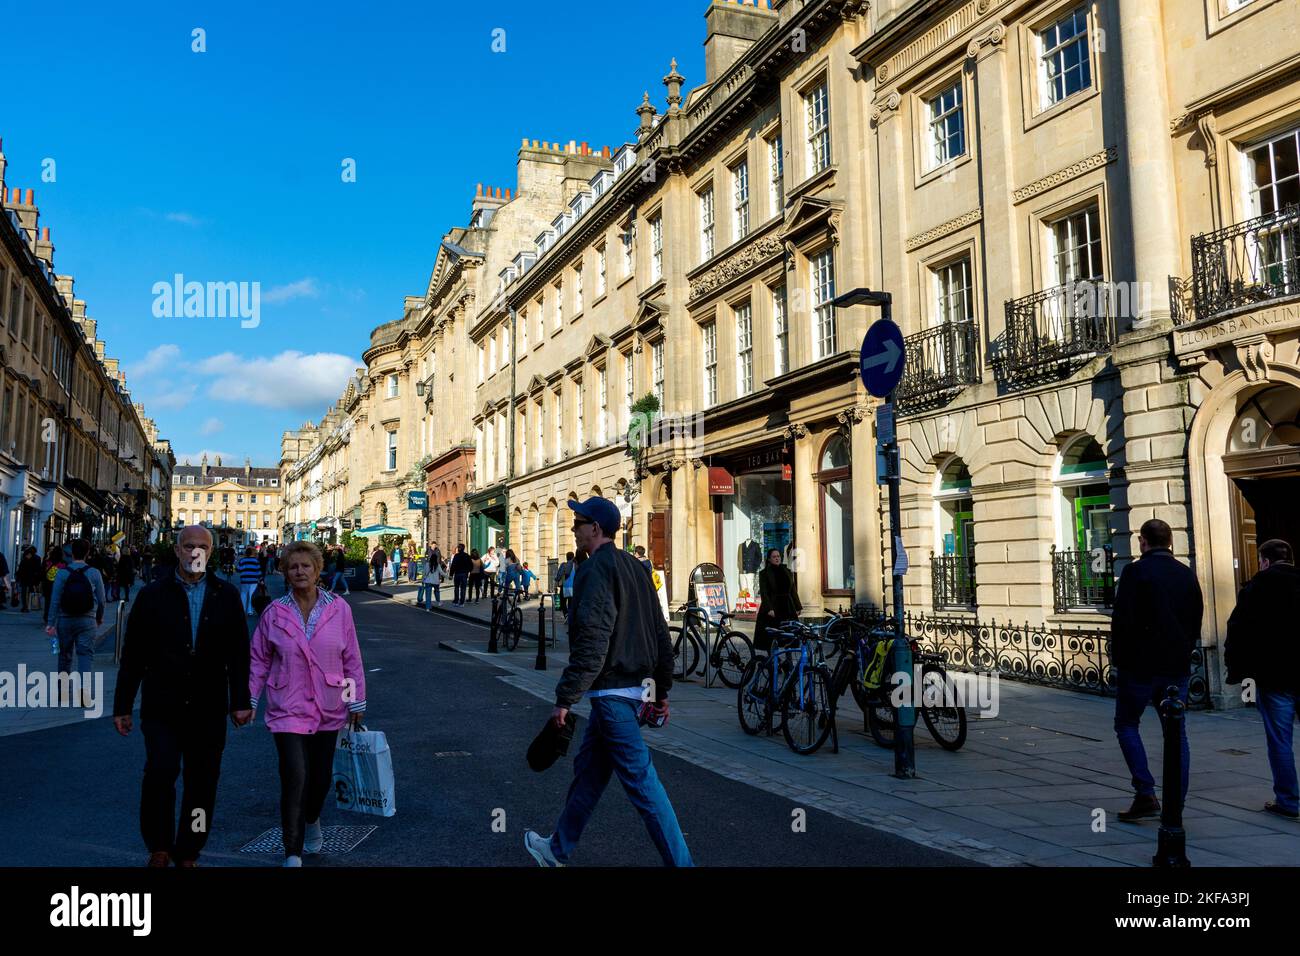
(808, 716)
(732, 656)
(947, 724)
(881, 722)
(686, 656)
(514, 628)
(752, 695)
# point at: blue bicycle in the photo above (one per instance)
(792, 682)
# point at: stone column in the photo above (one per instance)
(895, 192)
(1145, 177)
(807, 523)
(683, 524)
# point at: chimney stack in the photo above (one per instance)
(730, 30)
(647, 114)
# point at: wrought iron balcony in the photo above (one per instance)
(1050, 331)
(1083, 579)
(953, 579)
(1247, 263)
(940, 361)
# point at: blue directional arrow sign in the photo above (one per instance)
(882, 358)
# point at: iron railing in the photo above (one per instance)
(1083, 579)
(953, 577)
(1050, 330)
(1073, 658)
(940, 361)
(1247, 263)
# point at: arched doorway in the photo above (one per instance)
(952, 562)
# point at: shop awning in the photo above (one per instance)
(381, 529)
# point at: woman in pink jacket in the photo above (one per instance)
(305, 654)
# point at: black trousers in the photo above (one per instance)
(191, 746)
(306, 768)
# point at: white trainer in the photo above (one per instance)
(539, 847)
(293, 861)
(314, 839)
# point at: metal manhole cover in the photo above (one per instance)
(337, 840)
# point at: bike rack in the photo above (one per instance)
(694, 610)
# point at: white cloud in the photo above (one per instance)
(211, 426)
(155, 360)
(178, 397)
(183, 218)
(290, 380)
(302, 289)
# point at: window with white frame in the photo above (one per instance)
(577, 289)
(657, 371)
(947, 126)
(492, 352)
(559, 423)
(539, 414)
(823, 294)
(392, 451)
(559, 305)
(740, 199)
(710, 333)
(627, 383)
(580, 409)
(541, 319)
(744, 349)
(952, 289)
(1064, 68)
(392, 386)
(818, 122)
(776, 174)
(507, 344)
(481, 359)
(523, 332)
(602, 400)
(780, 331)
(1273, 173)
(601, 276)
(629, 257)
(706, 225)
(1076, 247)
(656, 248)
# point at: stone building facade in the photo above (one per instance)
(240, 505)
(77, 457)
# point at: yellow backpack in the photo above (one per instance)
(874, 674)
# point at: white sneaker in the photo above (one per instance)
(293, 861)
(315, 838)
(539, 847)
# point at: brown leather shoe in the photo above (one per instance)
(1143, 808)
(1272, 807)
(161, 858)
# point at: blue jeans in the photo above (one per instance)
(461, 582)
(1133, 694)
(1277, 712)
(76, 634)
(428, 588)
(612, 745)
(340, 577)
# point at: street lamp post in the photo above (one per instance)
(881, 364)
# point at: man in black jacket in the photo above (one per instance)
(1155, 627)
(1262, 646)
(459, 570)
(619, 650)
(187, 643)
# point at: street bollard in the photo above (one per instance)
(1171, 848)
(492, 628)
(541, 633)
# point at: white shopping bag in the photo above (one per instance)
(363, 773)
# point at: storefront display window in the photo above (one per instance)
(835, 489)
(759, 515)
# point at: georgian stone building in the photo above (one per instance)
(241, 505)
(77, 456)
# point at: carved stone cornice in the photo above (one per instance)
(1205, 126)
(673, 464)
(739, 263)
(795, 431)
(1254, 354)
(1073, 171)
(945, 229)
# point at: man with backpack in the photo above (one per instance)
(76, 611)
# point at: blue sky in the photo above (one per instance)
(226, 166)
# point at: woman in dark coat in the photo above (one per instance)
(777, 600)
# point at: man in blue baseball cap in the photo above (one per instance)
(620, 655)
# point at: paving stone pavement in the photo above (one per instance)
(1026, 789)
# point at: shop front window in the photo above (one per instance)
(757, 516)
(835, 489)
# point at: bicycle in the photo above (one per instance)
(509, 619)
(796, 688)
(730, 655)
(947, 724)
